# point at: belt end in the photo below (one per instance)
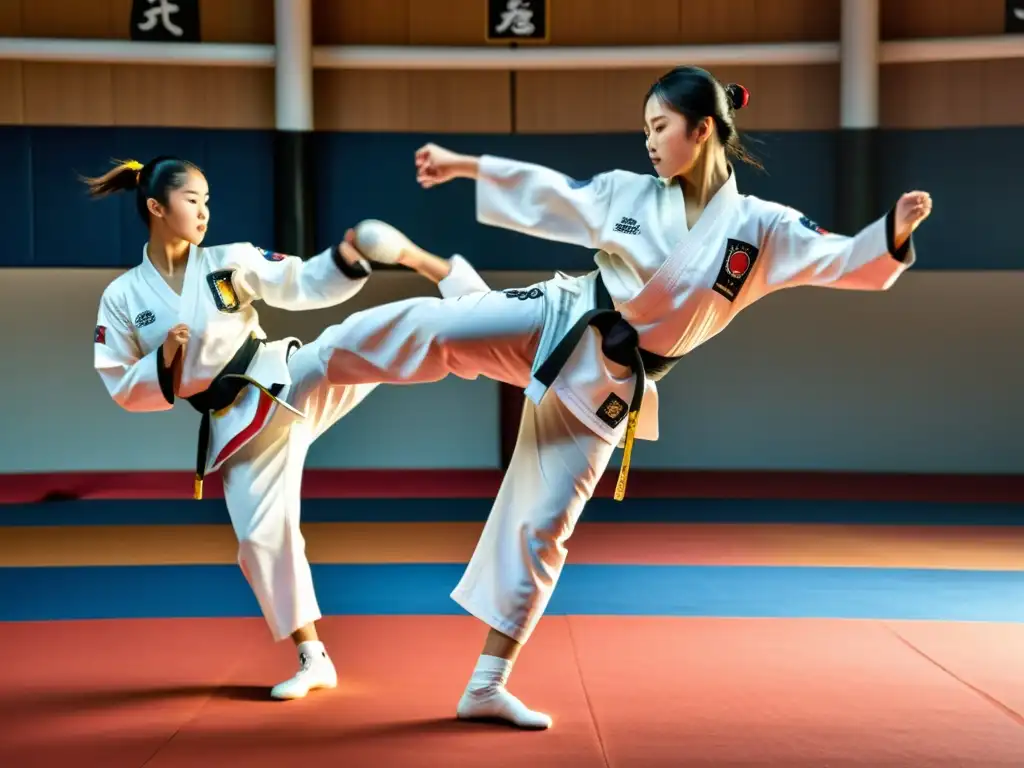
(627, 455)
(197, 491)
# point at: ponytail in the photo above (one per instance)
(123, 177)
(156, 179)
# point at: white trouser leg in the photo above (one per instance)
(555, 467)
(426, 339)
(262, 488)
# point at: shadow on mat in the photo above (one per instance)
(76, 699)
(432, 727)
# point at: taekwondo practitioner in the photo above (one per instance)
(182, 325)
(679, 255)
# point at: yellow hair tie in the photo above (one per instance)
(136, 166)
(133, 165)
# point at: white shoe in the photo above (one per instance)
(315, 671)
(498, 704)
(379, 241)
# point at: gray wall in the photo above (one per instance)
(924, 378)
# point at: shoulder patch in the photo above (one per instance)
(270, 255)
(813, 226)
(99, 336)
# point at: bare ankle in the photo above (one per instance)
(501, 646)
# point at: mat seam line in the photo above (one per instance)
(1011, 713)
(586, 693)
(194, 715)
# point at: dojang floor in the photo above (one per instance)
(812, 641)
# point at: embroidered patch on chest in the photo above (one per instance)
(223, 290)
(613, 410)
(736, 267)
(628, 226)
(523, 295)
(144, 318)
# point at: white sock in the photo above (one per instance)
(486, 696)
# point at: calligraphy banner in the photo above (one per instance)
(165, 21)
(517, 21)
(1014, 17)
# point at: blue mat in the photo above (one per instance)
(212, 511)
(719, 591)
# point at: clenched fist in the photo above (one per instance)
(177, 338)
(436, 165)
(911, 209)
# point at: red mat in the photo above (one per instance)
(623, 692)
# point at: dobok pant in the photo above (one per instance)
(557, 460)
(263, 481)
(262, 488)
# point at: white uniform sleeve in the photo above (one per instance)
(136, 382)
(798, 252)
(538, 201)
(292, 283)
(462, 280)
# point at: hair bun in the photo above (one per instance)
(738, 95)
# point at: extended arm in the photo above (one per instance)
(292, 283)
(525, 197)
(798, 252)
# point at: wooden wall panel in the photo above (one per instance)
(608, 22)
(221, 97)
(910, 19)
(361, 22)
(579, 22)
(105, 19)
(758, 21)
(781, 98)
(237, 21)
(452, 102)
(447, 22)
(101, 94)
(10, 19)
(952, 94)
(12, 105)
(68, 94)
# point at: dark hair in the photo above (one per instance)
(695, 94)
(156, 179)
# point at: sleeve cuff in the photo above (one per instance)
(164, 376)
(901, 253)
(358, 271)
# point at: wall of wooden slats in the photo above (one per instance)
(782, 98)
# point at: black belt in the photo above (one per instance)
(620, 343)
(221, 393)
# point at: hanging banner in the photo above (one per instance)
(1014, 17)
(165, 21)
(517, 21)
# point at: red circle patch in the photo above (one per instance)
(738, 263)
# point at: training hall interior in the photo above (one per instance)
(819, 561)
